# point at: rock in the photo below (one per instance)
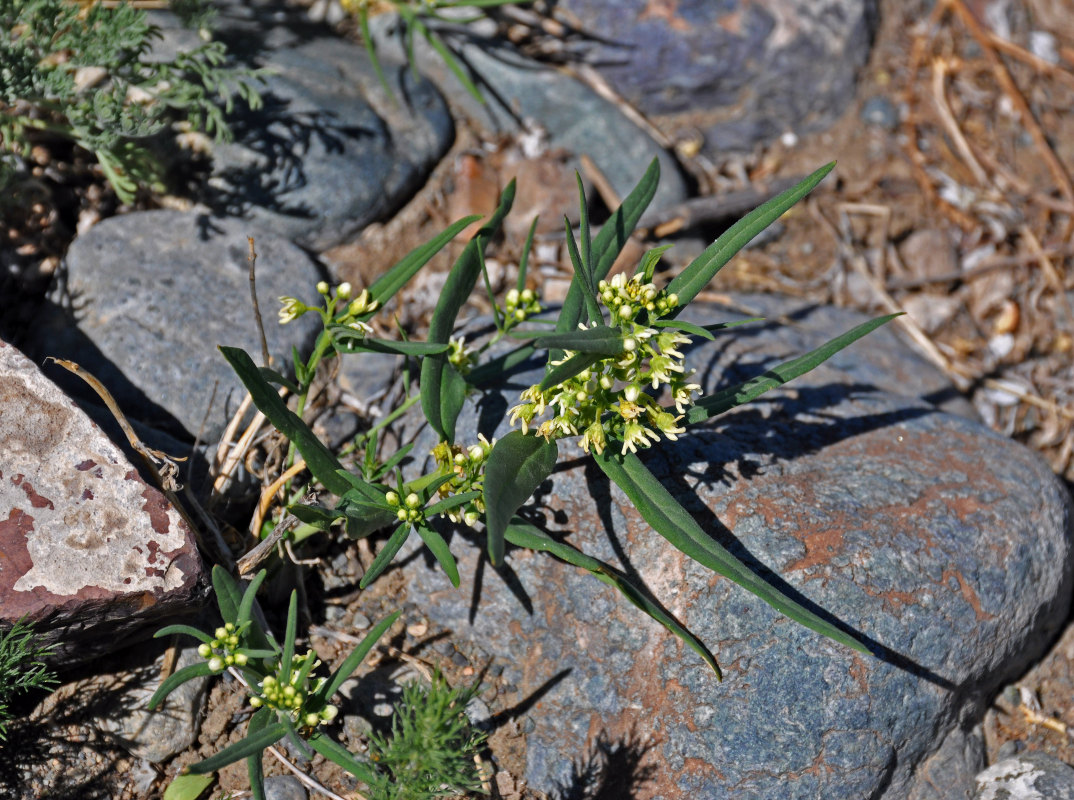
(521, 94)
(165, 732)
(88, 550)
(950, 772)
(740, 72)
(329, 152)
(1030, 776)
(155, 293)
(284, 787)
(942, 544)
(880, 111)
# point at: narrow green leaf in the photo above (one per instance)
(249, 597)
(701, 270)
(352, 341)
(516, 466)
(448, 503)
(178, 678)
(668, 518)
(254, 770)
(319, 517)
(647, 266)
(384, 288)
(320, 460)
(188, 787)
(582, 277)
(523, 263)
(385, 556)
(272, 376)
(439, 548)
(228, 597)
(362, 523)
(610, 240)
(452, 63)
(370, 492)
(290, 632)
(602, 339)
(522, 534)
(443, 389)
(355, 657)
(393, 460)
(716, 404)
(494, 369)
(187, 630)
(255, 743)
(575, 365)
(338, 754)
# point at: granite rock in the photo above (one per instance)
(88, 551)
(1029, 776)
(739, 72)
(154, 293)
(944, 546)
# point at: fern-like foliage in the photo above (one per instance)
(83, 72)
(22, 668)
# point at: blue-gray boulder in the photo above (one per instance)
(943, 546)
(740, 72)
(149, 296)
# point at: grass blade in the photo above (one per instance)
(517, 465)
(668, 518)
(338, 754)
(697, 275)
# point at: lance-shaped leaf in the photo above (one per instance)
(609, 242)
(252, 744)
(600, 339)
(668, 518)
(522, 534)
(338, 754)
(320, 460)
(439, 548)
(716, 404)
(575, 365)
(228, 596)
(385, 287)
(385, 556)
(188, 787)
(315, 516)
(517, 465)
(443, 389)
(354, 658)
(177, 679)
(169, 630)
(349, 340)
(701, 270)
(704, 331)
(261, 719)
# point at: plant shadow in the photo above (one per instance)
(613, 769)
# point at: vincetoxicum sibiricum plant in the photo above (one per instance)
(615, 346)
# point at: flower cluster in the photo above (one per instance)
(223, 651)
(292, 308)
(289, 694)
(459, 355)
(410, 508)
(468, 467)
(519, 306)
(608, 400)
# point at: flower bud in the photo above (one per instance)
(343, 290)
(329, 713)
(216, 664)
(412, 500)
(322, 287)
(241, 659)
(512, 297)
(392, 499)
(220, 633)
(204, 650)
(256, 701)
(401, 515)
(311, 720)
(630, 344)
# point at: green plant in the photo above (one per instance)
(432, 747)
(414, 14)
(614, 343)
(22, 668)
(289, 698)
(82, 72)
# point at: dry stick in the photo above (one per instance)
(266, 359)
(947, 117)
(1035, 61)
(224, 446)
(270, 492)
(264, 548)
(600, 182)
(1026, 397)
(235, 457)
(1055, 166)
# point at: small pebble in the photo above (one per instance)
(477, 711)
(284, 787)
(360, 622)
(417, 629)
(1011, 748)
(880, 111)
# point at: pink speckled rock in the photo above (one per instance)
(88, 550)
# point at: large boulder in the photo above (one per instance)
(148, 298)
(89, 551)
(944, 546)
(739, 72)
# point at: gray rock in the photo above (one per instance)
(740, 72)
(154, 294)
(1030, 776)
(950, 772)
(165, 732)
(943, 545)
(880, 111)
(88, 550)
(329, 152)
(519, 92)
(284, 787)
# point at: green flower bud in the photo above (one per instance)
(392, 498)
(204, 650)
(412, 500)
(322, 287)
(311, 720)
(344, 290)
(329, 713)
(216, 664)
